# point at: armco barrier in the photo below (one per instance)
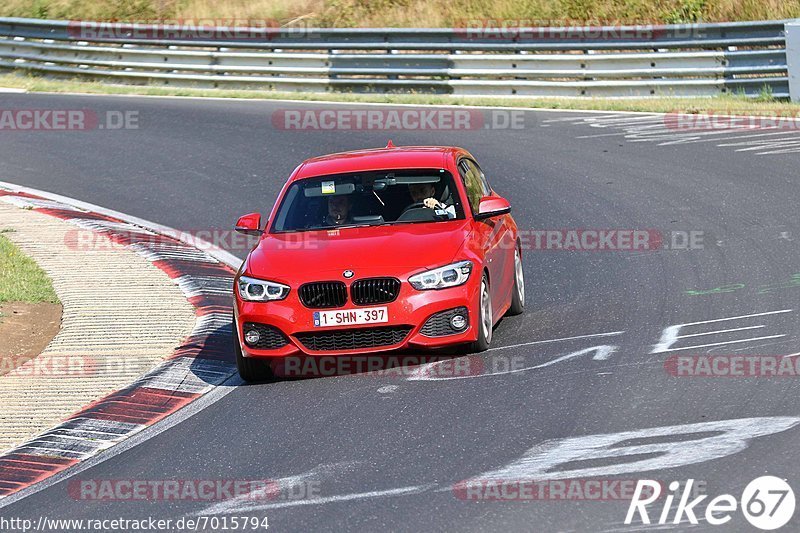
(793, 58)
(677, 60)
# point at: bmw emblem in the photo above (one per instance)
(348, 274)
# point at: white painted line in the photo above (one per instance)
(768, 142)
(731, 138)
(602, 353)
(669, 335)
(455, 103)
(701, 136)
(736, 317)
(717, 331)
(724, 343)
(644, 129)
(793, 150)
(422, 372)
(33, 202)
(104, 225)
(611, 115)
(610, 334)
(245, 502)
(617, 134)
(778, 143)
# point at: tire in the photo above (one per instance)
(485, 317)
(250, 369)
(518, 292)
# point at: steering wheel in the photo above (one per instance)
(415, 205)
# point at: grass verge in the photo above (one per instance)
(21, 279)
(724, 104)
(409, 13)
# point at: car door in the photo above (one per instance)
(492, 234)
(507, 234)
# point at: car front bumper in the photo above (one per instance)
(411, 309)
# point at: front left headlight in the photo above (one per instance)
(259, 290)
(443, 277)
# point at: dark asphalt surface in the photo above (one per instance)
(198, 165)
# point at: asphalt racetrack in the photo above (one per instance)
(589, 361)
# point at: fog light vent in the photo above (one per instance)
(450, 322)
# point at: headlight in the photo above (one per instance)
(442, 277)
(258, 290)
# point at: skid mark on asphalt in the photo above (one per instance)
(656, 128)
(252, 502)
(403, 491)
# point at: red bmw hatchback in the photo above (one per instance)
(377, 250)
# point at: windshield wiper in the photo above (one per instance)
(348, 226)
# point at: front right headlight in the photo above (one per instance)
(443, 277)
(259, 290)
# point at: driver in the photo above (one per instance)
(424, 193)
(338, 211)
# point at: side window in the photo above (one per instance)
(487, 190)
(472, 182)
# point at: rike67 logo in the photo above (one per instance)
(767, 503)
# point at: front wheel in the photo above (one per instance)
(485, 318)
(518, 292)
(250, 369)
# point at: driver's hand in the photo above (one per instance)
(430, 203)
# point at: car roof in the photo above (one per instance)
(390, 158)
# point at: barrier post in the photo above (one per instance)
(792, 30)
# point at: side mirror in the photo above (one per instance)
(250, 224)
(492, 206)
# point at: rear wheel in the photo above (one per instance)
(518, 293)
(250, 368)
(485, 317)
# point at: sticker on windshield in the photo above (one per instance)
(328, 187)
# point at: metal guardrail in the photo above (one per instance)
(678, 60)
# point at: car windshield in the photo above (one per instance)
(369, 199)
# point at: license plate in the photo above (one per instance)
(367, 315)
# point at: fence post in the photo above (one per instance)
(792, 30)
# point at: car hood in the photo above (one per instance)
(388, 249)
